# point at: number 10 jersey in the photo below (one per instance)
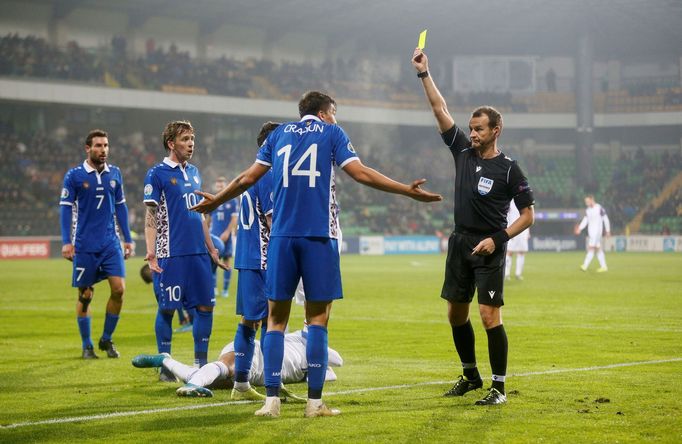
(179, 231)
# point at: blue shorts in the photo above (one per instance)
(252, 301)
(90, 268)
(185, 281)
(315, 259)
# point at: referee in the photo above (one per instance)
(485, 182)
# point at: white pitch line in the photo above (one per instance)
(342, 392)
(120, 414)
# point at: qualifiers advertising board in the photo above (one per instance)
(19, 248)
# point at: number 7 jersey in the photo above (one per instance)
(179, 231)
(302, 156)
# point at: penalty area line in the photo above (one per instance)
(342, 392)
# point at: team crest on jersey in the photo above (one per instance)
(484, 186)
(148, 189)
(86, 185)
(174, 181)
(112, 183)
(65, 193)
(196, 179)
(350, 148)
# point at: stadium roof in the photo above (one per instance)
(619, 28)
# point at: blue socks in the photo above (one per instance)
(181, 315)
(84, 328)
(316, 354)
(227, 275)
(202, 326)
(110, 322)
(164, 330)
(244, 344)
(273, 354)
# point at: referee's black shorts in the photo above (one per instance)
(465, 272)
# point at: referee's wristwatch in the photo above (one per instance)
(423, 75)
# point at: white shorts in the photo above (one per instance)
(519, 244)
(594, 241)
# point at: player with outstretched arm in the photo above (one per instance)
(303, 240)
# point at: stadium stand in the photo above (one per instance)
(173, 70)
(37, 162)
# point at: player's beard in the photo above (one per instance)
(98, 161)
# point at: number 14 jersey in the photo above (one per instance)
(302, 156)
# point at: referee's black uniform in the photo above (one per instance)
(483, 189)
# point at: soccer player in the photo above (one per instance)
(485, 181)
(596, 220)
(517, 246)
(92, 197)
(179, 246)
(221, 373)
(223, 223)
(253, 235)
(303, 240)
(185, 318)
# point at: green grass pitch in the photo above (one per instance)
(592, 358)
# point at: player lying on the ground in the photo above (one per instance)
(220, 373)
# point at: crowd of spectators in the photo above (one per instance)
(34, 164)
(355, 80)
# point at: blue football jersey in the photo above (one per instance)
(302, 156)
(253, 233)
(93, 196)
(171, 187)
(221, 216)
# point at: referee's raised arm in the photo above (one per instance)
(440, 109)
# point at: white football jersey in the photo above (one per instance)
(294, 364)
(595, 220)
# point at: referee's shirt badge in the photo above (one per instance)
(484, 186)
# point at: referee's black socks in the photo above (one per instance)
(463, 336)
(497, 351)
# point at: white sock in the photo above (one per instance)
(181, 371)
(242, 386)
(208, 373)
(588, 258)
(520, 258)
(507, 266)
(314, 402)
(601, 258)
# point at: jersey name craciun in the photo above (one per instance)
(93, 197)
(484, 187)
(221, 216)
(253, 233)
(302, 156)
(179, 231)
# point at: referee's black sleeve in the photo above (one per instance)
(518, 184)
(456, 140)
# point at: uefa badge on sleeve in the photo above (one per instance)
(148, 189)
(112, 183)
(350, 148)
(65, 193)
(484, 186)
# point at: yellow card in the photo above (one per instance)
(422, 40)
